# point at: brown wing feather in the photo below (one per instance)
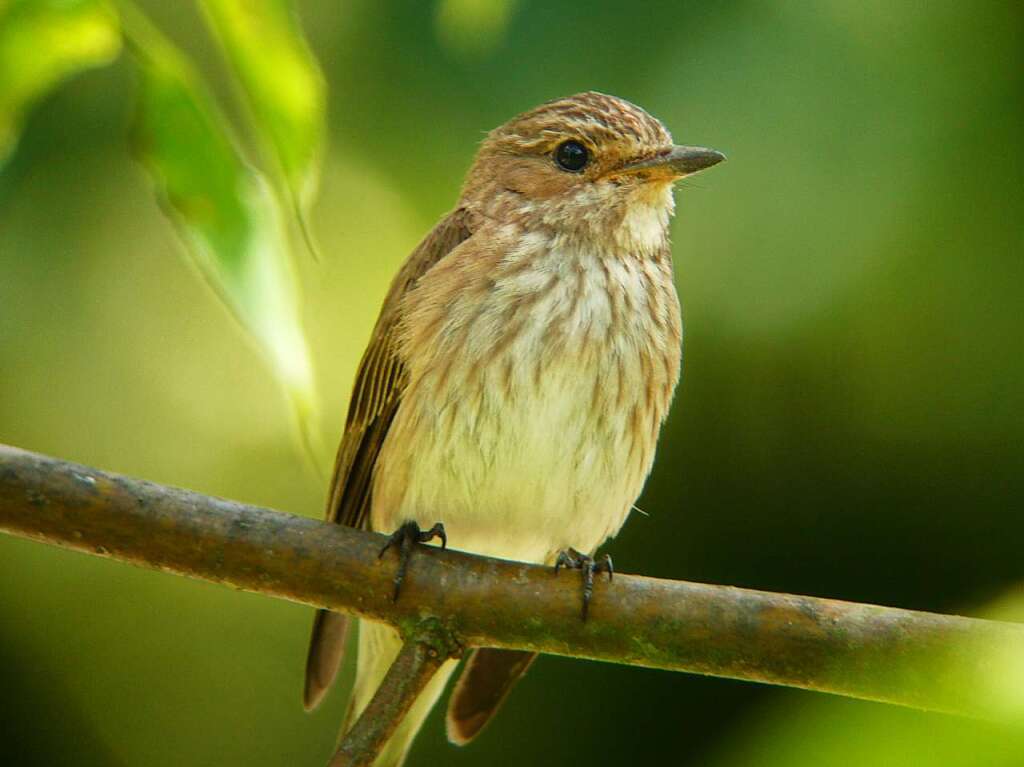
(376, 396)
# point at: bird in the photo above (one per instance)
(514, 386)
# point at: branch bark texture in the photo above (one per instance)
(924, 660)
(420, 658)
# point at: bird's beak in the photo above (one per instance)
(679, 161)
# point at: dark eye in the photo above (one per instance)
(572, 156)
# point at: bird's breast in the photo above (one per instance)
(532, 410)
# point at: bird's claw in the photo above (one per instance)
(585, 563)
(403, 539)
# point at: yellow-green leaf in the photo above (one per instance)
(282, 83)
(41, 43)
(223, 208)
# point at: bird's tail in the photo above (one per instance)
(378, 646)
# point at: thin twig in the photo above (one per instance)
(419, 659)
(928, 661)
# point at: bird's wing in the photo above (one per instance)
(380, 383)
(376, 396)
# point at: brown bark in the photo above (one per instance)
(928, 661)
(419, 659)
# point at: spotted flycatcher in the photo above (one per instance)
(518, 375)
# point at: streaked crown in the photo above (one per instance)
(598, 119)
(590, 165)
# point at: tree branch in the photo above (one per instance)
(421, 656)
(928, 661)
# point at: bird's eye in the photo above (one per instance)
(572, 156)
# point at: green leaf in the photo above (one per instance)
(282, 84)
(41, 43)
(223, 208)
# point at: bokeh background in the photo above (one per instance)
(850, 422)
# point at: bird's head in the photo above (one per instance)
(589, 165)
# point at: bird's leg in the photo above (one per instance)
(588, 566)
(403, 539)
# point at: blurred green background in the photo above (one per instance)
(850, 422)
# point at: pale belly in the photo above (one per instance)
(518, 477)
(533, 406)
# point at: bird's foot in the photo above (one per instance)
(404, 538)
(588, 566)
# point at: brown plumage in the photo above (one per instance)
(375, 398)
(519, 372)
